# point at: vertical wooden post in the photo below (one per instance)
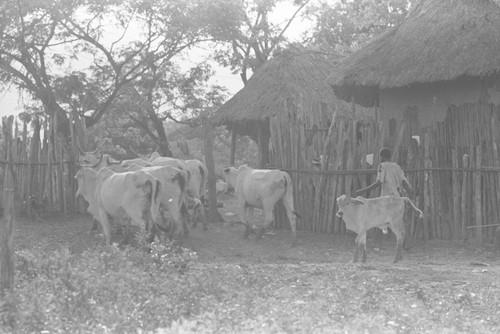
(465, 185)
(457, 231)
(214, 215)
(7, 220)
(427, 186)
(477, 196)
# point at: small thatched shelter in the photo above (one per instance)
(437, 76)
(288, 90)
(290, 110)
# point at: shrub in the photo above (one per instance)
(107, 289)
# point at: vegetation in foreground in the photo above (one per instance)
(167, 290)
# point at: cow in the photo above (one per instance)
(90, 158)
(87, 178)
(172, 195)
(261, 188)
(133, 195)
(361, 214)
(197, 174)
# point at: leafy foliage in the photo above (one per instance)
(112, 44)
(107, 289)
(247, 35)
(346, 24)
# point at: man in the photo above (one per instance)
(390, 177)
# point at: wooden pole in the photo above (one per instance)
(477, 195)
(7, 223)
(214, 215)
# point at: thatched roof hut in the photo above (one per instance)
(441, 40)
(293, 82)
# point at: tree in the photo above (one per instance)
(249, 35)
(112, 43)
(346, 24)
(136, 119)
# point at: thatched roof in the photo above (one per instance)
(440, 40)
(296, 75)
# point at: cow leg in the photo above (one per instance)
(244, 220)
(288, 203)
(268, 220)
(356, 249)
(127, 230)
(399, 231)
(360, 245)
(104, 218)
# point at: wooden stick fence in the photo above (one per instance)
(40, 165)
(455, 170)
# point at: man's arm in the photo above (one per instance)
(407, 186)
(372, 186)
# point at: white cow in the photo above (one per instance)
(133, 195)
(361, 214)
(261, 188)
(194, 184)
(172, 195)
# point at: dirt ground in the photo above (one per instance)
(438, 286)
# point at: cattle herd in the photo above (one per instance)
(161, 194)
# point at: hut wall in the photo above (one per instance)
(431, 101)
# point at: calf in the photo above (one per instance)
(262, 189)
(361, 214)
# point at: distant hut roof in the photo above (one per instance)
(290, 74)
(440, 40)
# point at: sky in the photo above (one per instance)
(9, 99)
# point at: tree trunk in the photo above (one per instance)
(214, 215)
(162, 140)
(233, 146)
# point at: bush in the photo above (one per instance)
(107, 289)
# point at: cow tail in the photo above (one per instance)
(408, 200)
(154, 208)
(289, 191)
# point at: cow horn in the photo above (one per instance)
(97, 149)
(98, 162)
